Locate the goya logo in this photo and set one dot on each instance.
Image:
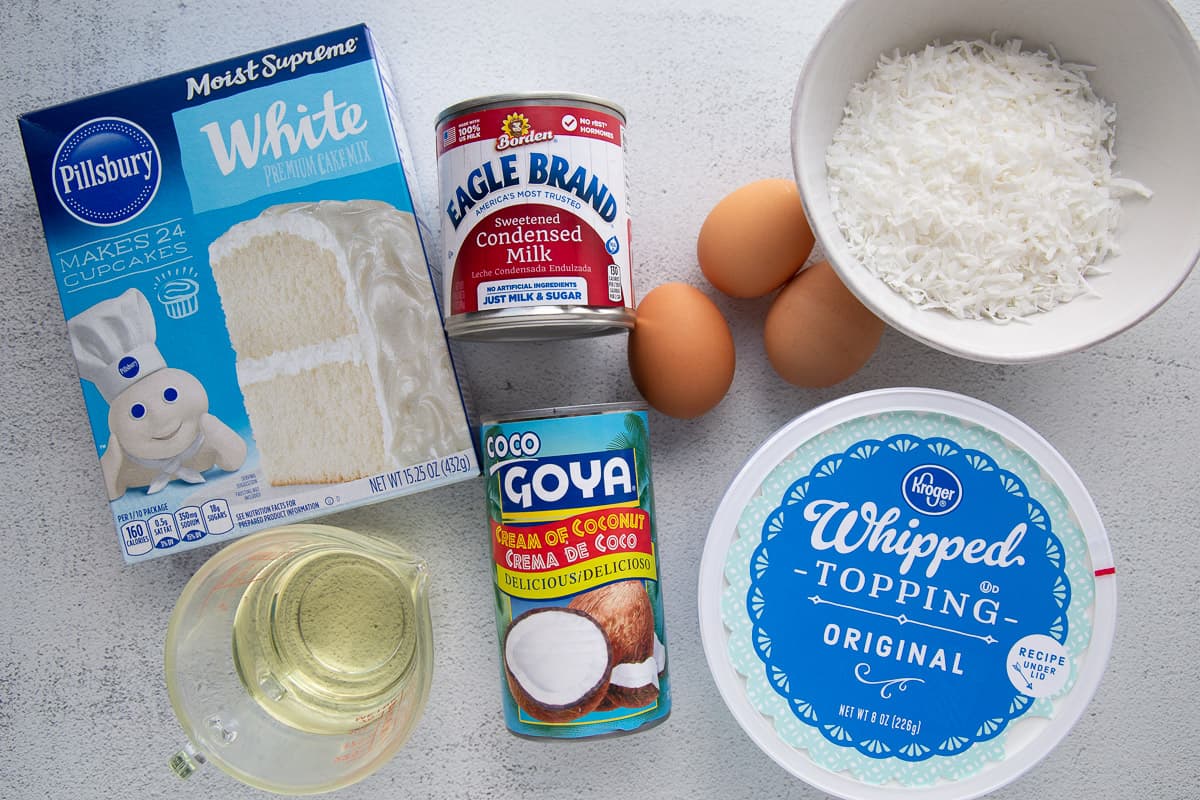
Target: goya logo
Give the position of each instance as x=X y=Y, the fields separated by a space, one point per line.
x=516 y=130
x=557 y=483
x=932 y=489
x=106 y=171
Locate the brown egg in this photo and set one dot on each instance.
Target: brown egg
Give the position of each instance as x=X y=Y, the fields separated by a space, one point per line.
x=817 y=332
x=755 y=239
x=681 y=352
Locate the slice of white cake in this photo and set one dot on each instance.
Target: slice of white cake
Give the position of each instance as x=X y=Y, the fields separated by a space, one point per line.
x=340 y=353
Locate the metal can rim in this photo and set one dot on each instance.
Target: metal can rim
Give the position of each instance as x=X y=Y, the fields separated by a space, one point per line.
x=484 y=102
x=565 y=412
x=567 y=322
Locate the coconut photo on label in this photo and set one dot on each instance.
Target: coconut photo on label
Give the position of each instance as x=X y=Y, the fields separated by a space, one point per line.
x=578 y=603
x=598 y=653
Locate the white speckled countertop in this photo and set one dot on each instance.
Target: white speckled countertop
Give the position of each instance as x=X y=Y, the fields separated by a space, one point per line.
x=708 y=87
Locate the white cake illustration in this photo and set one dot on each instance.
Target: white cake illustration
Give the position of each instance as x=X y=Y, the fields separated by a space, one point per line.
x=340 y=352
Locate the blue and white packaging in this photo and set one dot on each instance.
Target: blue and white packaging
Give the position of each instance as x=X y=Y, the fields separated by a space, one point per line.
x=247 y=293
x=907 y=593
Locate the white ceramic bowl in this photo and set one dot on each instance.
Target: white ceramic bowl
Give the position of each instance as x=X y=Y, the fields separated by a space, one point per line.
x=1147 y=63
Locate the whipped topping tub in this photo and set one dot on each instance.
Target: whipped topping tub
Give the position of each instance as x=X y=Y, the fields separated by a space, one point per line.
x=907 y=593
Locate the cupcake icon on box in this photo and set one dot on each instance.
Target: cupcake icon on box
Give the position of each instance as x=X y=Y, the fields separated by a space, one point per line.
x=177 y=292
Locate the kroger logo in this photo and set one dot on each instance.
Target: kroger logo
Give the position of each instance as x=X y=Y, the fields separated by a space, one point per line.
x=932 y=489
x=106 y=171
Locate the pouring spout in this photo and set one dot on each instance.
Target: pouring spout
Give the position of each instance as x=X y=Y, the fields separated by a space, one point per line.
x=186 y=761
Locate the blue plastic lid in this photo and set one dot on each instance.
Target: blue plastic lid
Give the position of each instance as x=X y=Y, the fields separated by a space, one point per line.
x=907 y=591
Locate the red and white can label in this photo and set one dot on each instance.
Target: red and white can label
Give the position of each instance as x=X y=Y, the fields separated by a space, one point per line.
x=534 y=208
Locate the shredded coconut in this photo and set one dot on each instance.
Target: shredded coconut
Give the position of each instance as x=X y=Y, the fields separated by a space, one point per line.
x=978 y=178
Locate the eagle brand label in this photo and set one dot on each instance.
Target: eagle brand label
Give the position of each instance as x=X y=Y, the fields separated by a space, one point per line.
x=579 y=613
x=533 y=207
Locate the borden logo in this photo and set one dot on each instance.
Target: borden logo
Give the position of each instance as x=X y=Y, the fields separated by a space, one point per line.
x=106 y=171
x=516 y=131
x=932 y=489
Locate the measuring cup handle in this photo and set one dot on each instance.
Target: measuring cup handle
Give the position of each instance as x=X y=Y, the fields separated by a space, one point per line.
x=186 y=761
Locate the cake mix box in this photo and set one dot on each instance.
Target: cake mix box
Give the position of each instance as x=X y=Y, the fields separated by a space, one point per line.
x=247 y=293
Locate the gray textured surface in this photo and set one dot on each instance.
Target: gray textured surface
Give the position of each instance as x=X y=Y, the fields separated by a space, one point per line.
x=83 y=710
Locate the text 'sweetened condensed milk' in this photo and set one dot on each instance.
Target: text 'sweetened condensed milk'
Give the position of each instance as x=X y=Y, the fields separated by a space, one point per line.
x=578 y=603
x=535 y=221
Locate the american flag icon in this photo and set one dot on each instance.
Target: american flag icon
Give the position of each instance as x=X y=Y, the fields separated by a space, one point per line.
x=448 y=136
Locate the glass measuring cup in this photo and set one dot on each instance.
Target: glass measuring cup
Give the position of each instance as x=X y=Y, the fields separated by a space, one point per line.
x=299 y=659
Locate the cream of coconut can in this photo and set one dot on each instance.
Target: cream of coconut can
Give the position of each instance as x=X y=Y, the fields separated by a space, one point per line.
x=579 y=613
x=535 y=218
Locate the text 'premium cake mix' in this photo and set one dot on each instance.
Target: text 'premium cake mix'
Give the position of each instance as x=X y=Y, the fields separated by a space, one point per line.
x=247 y=293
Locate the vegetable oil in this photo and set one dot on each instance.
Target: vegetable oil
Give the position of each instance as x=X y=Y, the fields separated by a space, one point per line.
x=324 y=642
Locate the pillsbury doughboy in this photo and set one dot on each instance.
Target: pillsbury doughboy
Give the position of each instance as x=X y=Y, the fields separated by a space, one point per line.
x=159 y=426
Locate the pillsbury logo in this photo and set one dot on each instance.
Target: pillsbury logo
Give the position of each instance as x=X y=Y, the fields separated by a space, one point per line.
x=106 y=171
x=128 y=367
x=932 y=489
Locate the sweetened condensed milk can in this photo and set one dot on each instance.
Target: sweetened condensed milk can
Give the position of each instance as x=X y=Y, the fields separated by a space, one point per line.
x=535 y=218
